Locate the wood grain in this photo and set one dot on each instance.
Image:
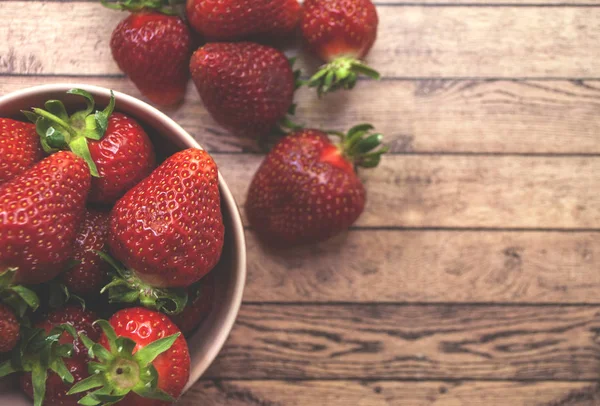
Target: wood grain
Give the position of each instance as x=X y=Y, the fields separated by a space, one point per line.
x=451 y=116
x=413 y=41
x=430 y=266
x=465 y=191
x=385 y=393
x=414 y=342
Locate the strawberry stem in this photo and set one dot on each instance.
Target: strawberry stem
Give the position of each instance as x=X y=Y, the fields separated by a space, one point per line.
x=167 y=7
x=341 y=73
x=362 y=147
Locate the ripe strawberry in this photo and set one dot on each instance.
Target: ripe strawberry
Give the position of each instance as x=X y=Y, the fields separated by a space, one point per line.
x=115 y=146
x=230 y=20
x=9 y=329
x=39 y=216
x=168 y=230
x=81 y=321
x=340 y=32
x=306 y=189
x=200 y=302
x=247 y=88
x=20 y=148
x=89 y=274
x=153 y=47
x=141 y=354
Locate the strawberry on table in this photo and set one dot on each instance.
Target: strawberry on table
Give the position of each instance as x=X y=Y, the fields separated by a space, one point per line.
x=168 y=231
x=40 y=211
x=9 y=329
x=20 y=148
x=228 y=20
x=153 y=47
x=89 y=274
x=306 y=190
x=114 y=145
x=142 y=359
x=246 y=87
x=341 y=33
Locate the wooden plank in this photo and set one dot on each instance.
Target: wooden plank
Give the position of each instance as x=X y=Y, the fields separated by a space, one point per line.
x=465 y=191
x=385 y=393
x=413 y=41
x=419 y=115
x=413 y=342
x=430 y=266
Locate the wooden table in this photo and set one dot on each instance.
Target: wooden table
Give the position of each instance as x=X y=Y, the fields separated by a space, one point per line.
x=473 y=277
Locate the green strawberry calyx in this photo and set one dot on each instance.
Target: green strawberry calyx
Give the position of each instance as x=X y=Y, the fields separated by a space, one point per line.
x=126 y=287
x=341 y=73
x=18 y=297
x=38 y=352
x=361 y=146
x=59 y=131
x=163 y=6
x=118 y=371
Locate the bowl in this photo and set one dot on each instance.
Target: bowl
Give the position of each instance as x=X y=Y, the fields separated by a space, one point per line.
x=230 y=273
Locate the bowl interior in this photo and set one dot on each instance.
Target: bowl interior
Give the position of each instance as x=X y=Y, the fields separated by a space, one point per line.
x=167 y=137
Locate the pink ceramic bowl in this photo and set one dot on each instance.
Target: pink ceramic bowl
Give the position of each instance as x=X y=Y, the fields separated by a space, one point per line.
x=168 y=136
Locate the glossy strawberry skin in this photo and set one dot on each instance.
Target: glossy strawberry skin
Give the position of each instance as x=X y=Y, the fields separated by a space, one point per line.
x=199 y=306
x=246 y=87
x=9 y=329
x=334 y=28
x=40 y=213
x=144 y=327
x=20 y=148
x=304 y=191
x=169 y=229
x=124 y=156
x=154 y=49
x=56 y=389
x=88 y=276
x=82 y=321
x=228 y=20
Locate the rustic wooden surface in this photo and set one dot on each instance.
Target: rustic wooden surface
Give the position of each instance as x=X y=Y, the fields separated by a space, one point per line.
x=473 y=276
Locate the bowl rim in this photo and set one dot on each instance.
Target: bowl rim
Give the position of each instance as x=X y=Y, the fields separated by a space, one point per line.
x=170 y=125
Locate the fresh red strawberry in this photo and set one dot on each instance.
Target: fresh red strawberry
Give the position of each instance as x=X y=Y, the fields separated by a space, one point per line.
x=56 y=389
x=168 y=230
x=79 y=321
x=200 y=302
x=228 y=20
x=153 y=49
x=306 y=189
x=88 y=276
x=159 y=367
x=114 y=145
x=341 y=33
x=246 y=87
x=40 y=213
x=20 y=148
x=9 y=329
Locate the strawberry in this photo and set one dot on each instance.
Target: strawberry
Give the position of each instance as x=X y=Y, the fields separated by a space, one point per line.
x=200 y=302
x=39 y=216
x=153 y=48
x=20 y=148
x=115 y=146
x=228 y=20
x=340 y=32
x=52 y=357
x=306 y=189
x=90 y=272
x=247 y=88
x=168 y=230
x=9 y=329
x=141 y=354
